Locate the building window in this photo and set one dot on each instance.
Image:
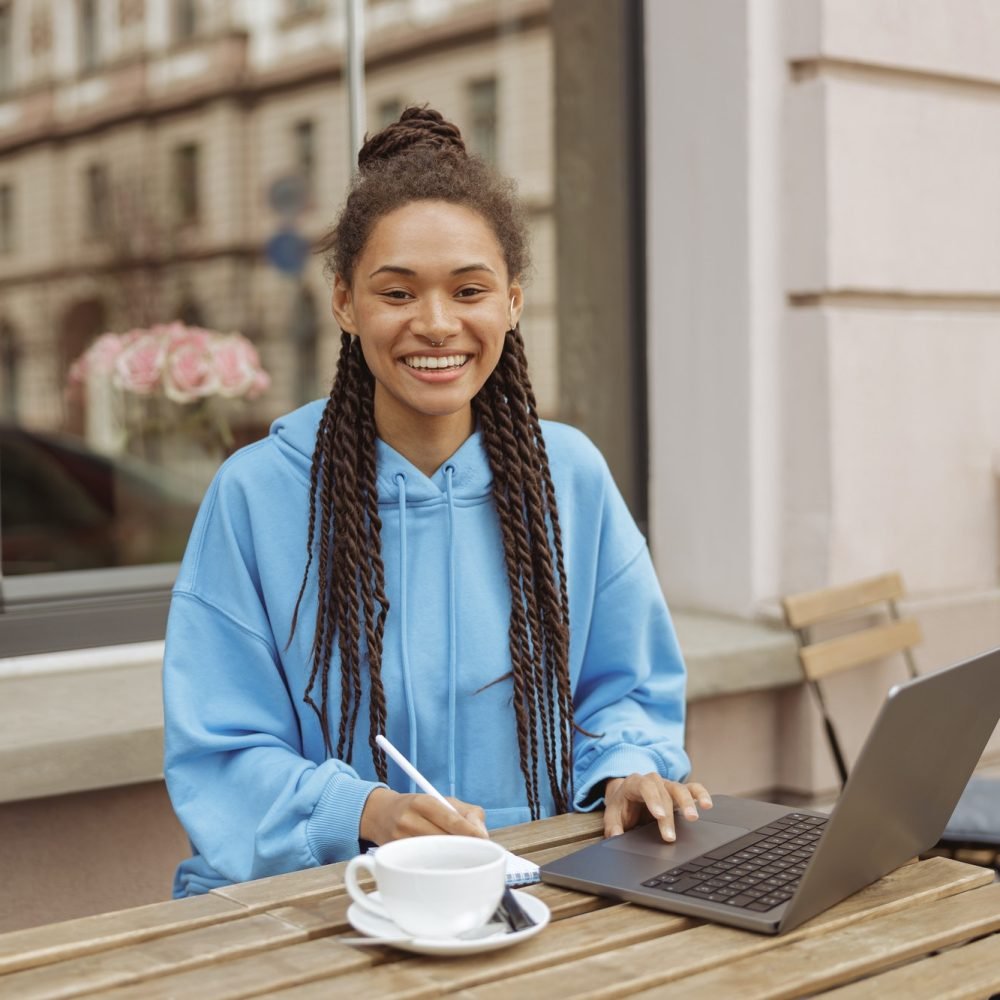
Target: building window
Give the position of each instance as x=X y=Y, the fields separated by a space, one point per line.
x=98 y=207
x=6 y=49
x=305 y=337
x=6 y=218
x=483 y=118
x=186 y=195
x=10 y=372
x=388 y=111
x=304 y=139
x=89 y=35
x=185 y=19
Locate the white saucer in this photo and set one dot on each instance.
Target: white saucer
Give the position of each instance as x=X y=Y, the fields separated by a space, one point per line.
x=380 y=928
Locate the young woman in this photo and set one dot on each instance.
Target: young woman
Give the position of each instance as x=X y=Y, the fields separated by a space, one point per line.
x=421 y=556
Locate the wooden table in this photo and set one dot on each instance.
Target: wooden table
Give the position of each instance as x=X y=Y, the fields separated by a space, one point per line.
x=930 y=929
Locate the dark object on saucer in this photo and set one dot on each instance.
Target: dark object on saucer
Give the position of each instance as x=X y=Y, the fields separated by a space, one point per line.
x=512 y=913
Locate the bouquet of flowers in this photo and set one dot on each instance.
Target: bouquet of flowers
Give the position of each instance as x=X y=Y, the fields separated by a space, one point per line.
x=190 y=368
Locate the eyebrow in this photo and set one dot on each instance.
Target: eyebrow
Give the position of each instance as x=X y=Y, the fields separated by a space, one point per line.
x=410 y=273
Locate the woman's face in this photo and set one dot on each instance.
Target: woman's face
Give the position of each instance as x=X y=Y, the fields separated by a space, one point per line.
x=432 y=273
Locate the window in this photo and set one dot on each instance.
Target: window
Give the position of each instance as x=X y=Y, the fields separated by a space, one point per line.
x=184 y=241
x=305 y=334
x=98 y=202
x=6 y=218
x=186 y=193
x=10 y=372
x=6 y=49
x=388 y=111
x=89 y=35
x=304 y=141
x=185 y=19
x=483 y=118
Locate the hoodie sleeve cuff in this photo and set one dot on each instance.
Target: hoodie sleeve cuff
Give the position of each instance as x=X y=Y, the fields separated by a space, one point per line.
x=619 y=762
x=332 y=830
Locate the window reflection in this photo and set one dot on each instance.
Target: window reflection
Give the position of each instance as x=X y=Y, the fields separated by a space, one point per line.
x=167 y=166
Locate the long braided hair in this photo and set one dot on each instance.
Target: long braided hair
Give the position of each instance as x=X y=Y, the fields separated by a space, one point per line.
x=422 y=157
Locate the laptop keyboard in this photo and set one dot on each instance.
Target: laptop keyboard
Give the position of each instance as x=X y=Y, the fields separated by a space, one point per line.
x=757 y=872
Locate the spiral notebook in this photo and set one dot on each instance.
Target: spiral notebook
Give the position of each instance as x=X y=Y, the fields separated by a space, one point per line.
x=520 y=871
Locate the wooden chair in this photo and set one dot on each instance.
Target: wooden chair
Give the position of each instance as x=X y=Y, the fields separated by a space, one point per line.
x=882 y=631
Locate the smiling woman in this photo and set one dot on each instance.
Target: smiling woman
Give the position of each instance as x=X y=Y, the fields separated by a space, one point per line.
x=473 y=580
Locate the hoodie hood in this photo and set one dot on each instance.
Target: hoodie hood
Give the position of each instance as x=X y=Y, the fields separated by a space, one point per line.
x=471 y=478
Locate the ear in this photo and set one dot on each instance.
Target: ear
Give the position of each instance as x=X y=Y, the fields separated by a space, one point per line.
x=515 y=297
x=343 y=305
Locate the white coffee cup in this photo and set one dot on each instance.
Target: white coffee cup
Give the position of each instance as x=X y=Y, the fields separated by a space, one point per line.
x=434 y=887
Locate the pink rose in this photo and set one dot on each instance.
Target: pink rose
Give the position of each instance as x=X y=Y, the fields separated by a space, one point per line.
x=140 y=363
x=261 y=383
x=237 y=365
x=98 y=359
x=189 y=372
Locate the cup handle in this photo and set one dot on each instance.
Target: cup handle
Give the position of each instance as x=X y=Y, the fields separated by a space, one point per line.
x=354 y=890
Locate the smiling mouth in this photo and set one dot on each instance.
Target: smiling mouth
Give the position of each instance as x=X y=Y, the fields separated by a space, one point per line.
x=424 y=362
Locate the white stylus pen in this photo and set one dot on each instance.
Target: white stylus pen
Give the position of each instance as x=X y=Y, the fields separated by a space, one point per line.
x=411 y=772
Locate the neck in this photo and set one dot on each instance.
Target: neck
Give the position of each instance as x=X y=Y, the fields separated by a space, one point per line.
x=427 y=442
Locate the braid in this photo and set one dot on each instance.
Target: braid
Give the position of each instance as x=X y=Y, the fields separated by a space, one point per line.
x=539 y=617
x=347 y=536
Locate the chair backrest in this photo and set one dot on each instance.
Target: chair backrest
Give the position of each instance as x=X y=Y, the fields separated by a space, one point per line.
x=871 y=640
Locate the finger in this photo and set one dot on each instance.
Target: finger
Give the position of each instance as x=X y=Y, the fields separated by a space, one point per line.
x=656 y=795
x=683 y=799
x=476 y=816
x=700 y=792
x=455 y=822
x=613 y=821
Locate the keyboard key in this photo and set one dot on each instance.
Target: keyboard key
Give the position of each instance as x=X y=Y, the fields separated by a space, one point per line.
x=680 y=887
x=734 y=846
x=741 y=900
x=761 y=907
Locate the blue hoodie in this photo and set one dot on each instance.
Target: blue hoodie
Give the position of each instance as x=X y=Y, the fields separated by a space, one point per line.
x=245 y=764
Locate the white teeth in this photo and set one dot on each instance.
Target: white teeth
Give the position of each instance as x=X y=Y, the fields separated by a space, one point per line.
x=449 y=361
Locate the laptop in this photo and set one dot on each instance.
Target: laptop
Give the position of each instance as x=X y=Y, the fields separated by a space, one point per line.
x=768 y=868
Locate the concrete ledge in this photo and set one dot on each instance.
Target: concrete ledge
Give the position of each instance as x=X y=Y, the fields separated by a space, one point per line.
x=728 y=656
x=80 y=730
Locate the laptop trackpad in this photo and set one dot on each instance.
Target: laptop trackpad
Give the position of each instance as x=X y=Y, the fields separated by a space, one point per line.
x=693 y=839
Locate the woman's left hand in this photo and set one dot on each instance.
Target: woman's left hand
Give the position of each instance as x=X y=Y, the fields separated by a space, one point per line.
x=629 y=800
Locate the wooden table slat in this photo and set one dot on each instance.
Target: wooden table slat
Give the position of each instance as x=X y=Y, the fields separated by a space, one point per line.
x=813 y=964
x=148 y=959
x=56 y=942
x=969 y=973
x=707 y=946
x=322 y=958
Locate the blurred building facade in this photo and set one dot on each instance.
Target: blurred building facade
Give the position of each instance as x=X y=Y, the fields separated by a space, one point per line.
x=140 y=139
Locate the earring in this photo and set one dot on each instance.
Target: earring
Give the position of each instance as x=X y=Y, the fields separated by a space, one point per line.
x=510 y=315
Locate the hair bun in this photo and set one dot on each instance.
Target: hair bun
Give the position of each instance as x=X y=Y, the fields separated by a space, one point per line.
x=417 y=128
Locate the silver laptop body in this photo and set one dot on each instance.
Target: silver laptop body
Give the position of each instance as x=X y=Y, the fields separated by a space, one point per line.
x=903 y=788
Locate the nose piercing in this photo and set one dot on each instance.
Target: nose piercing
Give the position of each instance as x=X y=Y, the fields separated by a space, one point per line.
x=436 y=343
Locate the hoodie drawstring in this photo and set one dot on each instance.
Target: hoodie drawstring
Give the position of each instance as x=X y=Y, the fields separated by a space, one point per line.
x=452 y=639
x=411 y=713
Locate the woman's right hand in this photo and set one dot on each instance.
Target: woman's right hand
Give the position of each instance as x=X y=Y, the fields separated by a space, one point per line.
x=390 y=815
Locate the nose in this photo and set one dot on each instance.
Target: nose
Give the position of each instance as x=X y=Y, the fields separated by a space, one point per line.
x=435 y=320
